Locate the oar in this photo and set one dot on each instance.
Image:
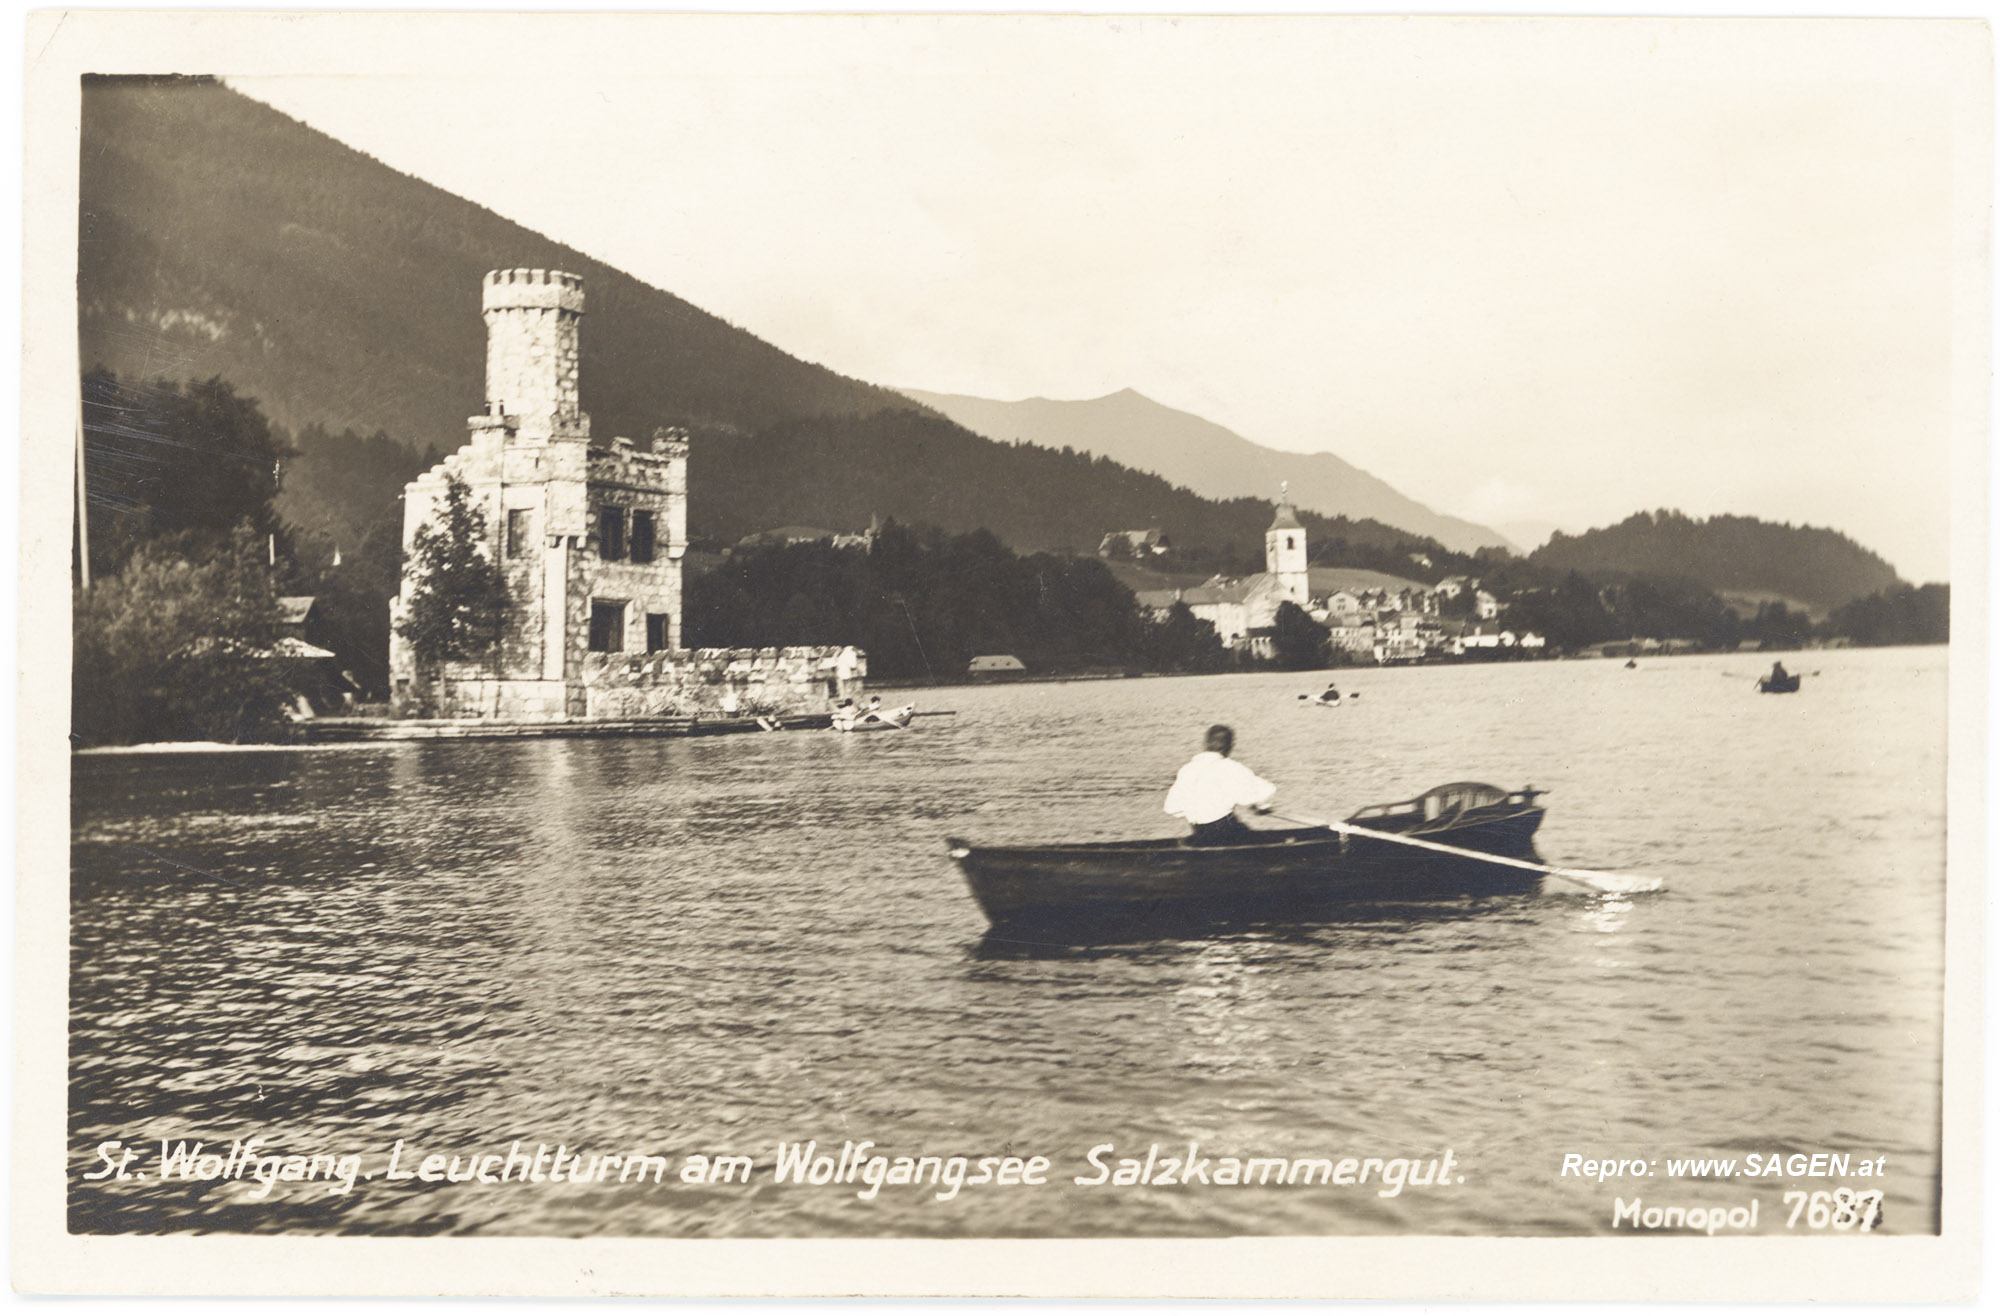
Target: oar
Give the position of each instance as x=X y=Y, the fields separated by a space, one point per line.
x=1610 y=883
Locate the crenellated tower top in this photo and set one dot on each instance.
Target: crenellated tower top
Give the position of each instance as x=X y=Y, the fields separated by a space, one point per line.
x=504 y=289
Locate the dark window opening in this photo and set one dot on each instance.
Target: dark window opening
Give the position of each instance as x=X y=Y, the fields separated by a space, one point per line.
x=1288 y=541
x=642 y=535
x=607 y=627
x=656 y=626
x=611 y=533
x=517 y=532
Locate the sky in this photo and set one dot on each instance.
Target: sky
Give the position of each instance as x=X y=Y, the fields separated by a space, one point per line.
x=1534 y=274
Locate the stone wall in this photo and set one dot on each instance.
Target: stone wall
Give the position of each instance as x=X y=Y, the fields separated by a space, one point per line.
x=681 y=683
x=707 y=682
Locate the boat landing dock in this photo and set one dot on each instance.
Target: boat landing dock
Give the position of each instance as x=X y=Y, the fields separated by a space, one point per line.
x=337 y=730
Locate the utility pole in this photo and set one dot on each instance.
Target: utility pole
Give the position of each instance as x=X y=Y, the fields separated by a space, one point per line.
x=82 y=507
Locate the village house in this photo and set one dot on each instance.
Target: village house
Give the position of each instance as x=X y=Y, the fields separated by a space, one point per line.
x=996 y=664
x=786 y=535
x=1357 y=638
x=1489 y=639
x=299 y=619
x=1134 y=543
x=591 y=539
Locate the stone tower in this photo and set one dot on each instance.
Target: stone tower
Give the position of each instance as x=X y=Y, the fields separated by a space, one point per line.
x=591 y=539
x=1285 y=551
x=532 y=319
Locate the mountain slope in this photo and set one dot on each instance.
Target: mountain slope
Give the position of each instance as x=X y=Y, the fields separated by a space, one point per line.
x=1728 y=554
x=1134 y=430
x=220 y=237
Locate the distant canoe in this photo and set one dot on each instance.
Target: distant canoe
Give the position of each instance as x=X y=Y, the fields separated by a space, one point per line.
x=1133 y=889
x=1787 y=686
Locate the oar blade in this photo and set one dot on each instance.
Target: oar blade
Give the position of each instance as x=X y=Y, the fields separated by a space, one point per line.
x=1614 y=884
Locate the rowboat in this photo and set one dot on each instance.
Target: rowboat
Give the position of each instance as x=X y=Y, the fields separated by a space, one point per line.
x=1131 y=889
x=1788 y=685
x=873 y=719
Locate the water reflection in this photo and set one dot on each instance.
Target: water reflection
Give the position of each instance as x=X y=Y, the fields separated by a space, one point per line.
x=717 y=944
x=1606 y=914
x=1322 y=926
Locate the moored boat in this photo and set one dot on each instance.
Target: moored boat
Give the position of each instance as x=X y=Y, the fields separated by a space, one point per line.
x=873 y=719
x=1132 y=889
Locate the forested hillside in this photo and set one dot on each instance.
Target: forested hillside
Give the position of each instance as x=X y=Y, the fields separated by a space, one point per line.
x=220 y=238
x=1820 y=567
x=927 y=470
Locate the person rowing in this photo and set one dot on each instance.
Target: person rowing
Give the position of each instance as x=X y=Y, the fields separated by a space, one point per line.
x=1211 y=787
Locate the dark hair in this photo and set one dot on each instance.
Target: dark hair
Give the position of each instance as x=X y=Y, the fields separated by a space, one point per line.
x=1220 y=739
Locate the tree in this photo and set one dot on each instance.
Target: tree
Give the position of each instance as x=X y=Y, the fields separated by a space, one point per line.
x=342 y=496
x=178 y=647
x=458 y=598
x=1297 y=641
x=922 y=603
x=1780 y=627
x=1182 y=642
x=162 y=459
x=1907 y=614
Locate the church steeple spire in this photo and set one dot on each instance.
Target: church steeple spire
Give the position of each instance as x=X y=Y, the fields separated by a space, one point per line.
x=1285 y=548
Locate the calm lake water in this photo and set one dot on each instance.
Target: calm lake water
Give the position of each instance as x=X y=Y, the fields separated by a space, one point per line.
x=715 y=947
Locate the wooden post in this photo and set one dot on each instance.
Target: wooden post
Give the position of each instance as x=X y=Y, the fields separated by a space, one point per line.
x=82 y=507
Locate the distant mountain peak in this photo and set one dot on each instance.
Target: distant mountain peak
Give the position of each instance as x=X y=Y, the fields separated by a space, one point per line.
x=1197 y=453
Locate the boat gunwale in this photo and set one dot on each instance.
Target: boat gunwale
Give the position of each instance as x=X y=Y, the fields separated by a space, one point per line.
x=1294 y=839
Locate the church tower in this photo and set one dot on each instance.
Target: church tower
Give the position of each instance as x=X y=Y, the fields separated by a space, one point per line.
x=1285 y=550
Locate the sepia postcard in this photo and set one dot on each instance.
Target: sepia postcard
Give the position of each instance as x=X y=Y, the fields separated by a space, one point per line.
x=1002 y=655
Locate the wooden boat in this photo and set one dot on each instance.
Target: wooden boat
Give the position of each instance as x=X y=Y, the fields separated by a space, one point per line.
x=1132 y=889
x=1328 y=698
x=873 y=719
x=1787 y=686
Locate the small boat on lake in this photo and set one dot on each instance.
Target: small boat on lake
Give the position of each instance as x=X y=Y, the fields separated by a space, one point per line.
x=850 y=718
x=1775 y=684
x=1133 y=889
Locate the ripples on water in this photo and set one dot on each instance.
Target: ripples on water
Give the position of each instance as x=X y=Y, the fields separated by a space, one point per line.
x=717 y=945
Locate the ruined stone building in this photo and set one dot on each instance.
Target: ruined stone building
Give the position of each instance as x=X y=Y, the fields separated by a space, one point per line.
x=591 y=539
